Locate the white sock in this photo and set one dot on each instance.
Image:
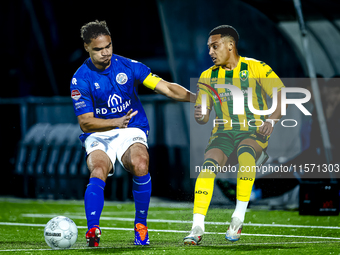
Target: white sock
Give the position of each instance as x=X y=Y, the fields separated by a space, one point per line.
x=240 y=209
x=198 y=220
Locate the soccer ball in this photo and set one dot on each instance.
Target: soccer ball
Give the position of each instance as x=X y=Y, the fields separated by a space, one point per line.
x=60 y=233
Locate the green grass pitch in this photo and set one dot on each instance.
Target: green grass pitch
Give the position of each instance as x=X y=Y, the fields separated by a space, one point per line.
x=265 y=232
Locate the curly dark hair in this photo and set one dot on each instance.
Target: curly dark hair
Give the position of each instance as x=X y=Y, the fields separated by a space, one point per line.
x=94 y=29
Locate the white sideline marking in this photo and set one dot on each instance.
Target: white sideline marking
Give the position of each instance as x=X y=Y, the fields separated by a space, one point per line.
x=125 y=213
x=173 y=231
x=31 y=215
x=225 y=245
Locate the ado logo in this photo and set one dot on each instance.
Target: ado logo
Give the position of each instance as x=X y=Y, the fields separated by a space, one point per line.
x=201 y=192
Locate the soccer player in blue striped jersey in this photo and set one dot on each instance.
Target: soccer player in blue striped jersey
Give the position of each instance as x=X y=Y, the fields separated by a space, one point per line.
x=104 y=93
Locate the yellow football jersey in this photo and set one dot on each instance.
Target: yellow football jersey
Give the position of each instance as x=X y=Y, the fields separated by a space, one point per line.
x=248 y=73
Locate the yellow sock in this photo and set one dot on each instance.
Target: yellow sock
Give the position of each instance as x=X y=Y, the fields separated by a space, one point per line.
x=246 y=172
x=204 y=187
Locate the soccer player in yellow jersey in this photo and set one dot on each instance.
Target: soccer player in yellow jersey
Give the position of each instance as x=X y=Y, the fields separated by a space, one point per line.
x=247 y=133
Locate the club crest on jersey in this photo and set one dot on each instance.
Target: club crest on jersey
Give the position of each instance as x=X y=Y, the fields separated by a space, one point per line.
x=213 y=80
x=121 y=78
x=244 y=75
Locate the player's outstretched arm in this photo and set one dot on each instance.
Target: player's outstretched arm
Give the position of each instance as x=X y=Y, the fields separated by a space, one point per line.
x=174 y=91
x=88 y=123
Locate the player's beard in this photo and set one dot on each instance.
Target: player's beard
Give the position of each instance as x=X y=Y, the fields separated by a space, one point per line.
x=106 y=63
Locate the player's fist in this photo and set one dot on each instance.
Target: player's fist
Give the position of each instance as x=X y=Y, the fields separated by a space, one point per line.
x=198 y=112
x=199 y=117
x=266 y=129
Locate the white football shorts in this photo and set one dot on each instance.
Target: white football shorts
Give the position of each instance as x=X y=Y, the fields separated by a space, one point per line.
x=115 y=142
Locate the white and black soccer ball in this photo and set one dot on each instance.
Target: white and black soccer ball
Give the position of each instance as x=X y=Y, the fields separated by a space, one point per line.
x=60 y=233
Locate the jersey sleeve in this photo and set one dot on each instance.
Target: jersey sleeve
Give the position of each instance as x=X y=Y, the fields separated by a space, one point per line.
x=202 y=89
x=81 y=96
x=268 y=79
x=140 y=71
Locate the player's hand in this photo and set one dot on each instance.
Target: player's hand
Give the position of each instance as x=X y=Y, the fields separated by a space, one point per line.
x=124 y=121
x=198 y=112
x=266 y=129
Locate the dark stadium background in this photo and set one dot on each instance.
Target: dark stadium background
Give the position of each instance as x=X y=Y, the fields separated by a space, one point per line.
x=137 y=33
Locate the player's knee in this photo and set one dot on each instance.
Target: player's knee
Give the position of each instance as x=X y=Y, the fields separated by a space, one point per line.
x=99 y=164
x=100 y=172
x=245 y=148
x=140 y=165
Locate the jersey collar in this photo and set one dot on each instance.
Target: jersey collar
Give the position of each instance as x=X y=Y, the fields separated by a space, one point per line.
x=106 y=71
x=238 y=64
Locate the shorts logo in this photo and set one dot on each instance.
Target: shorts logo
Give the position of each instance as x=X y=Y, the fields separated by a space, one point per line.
x=75 y=94
x=94 y=144
x=97 y=85
x=244 y=75
x=138 y=139
x=121 y=78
